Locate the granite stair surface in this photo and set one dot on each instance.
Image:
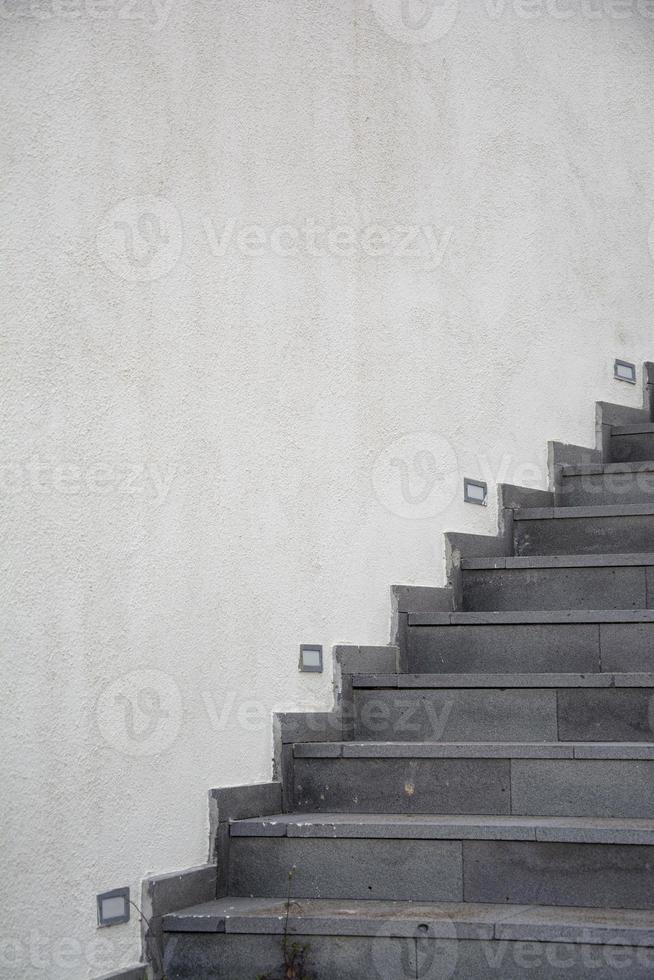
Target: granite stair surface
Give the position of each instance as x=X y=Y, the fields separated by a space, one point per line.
x=480 y=804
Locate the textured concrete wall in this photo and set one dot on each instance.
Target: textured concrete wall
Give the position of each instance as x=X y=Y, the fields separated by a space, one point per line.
x=275 y=276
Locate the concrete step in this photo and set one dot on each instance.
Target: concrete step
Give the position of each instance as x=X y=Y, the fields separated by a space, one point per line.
x=632 y=443
x=558 y=582
x=541 y=641
x=500 y=707
x=238 y=938
x=440 y=858
x=430 y=826
x=598 y=484
x=627 y=528
x=556 y=779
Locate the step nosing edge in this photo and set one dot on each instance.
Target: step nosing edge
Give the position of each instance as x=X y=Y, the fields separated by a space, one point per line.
x=473 y=921
x=582 y=512
x=532 y=617
x=517 y=563
x=531 y=751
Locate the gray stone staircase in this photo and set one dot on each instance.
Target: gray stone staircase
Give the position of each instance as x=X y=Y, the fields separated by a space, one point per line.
x=480 y=804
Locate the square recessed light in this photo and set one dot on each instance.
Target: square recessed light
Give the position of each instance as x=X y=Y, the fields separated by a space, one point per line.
x=624 y=371
x=475 y=492
x=113 y=907
x=311 y=658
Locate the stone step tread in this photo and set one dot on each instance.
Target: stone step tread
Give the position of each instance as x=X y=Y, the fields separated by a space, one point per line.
x=635 y=428
x=528 y=617
x=325 y=917
x=557 y=561
x=627 y=751
x=501 y=681
x=578 y=830
x=586 y=511
x=606 y=469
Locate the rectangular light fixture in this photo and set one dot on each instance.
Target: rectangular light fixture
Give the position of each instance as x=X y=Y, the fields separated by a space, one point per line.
x=311 y=658
x=113 y=907
x=475 y=492
x=624 y=371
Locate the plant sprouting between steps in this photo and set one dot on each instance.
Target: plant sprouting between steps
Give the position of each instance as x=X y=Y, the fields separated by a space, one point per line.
x=294 y=953
x=154 y=949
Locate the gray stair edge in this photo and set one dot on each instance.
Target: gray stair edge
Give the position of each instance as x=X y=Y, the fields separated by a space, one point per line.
x=571 y=751
x=634 y=429
x=584 y=512
x=335 y=826
x=533 y=617
x=446 y=920
x=571 y=471
x=480 y=681
x=532 y=562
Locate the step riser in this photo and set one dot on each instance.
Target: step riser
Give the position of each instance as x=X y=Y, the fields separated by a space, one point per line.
x=519 y=715
x=585 y=535
x=616 y=587
x=531 y=648
x=599 y=489
x=392 y=870
x=519 y=872
x=585 y=875
x=635 y=448
x=237 y=957
x=520 y=787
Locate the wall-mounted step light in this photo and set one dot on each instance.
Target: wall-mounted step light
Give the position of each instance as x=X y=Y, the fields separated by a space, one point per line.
x=475 y=492
x=113 y=907
x=311 y=658
x=624 y=371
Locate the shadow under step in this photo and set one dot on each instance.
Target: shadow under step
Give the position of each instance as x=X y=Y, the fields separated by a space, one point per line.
x=632 y=443
x=557 y=582
x=542 y=641
x=232 y=938
x=614 y=529
x=557 y=779
x=504 y=707
x=597 y=484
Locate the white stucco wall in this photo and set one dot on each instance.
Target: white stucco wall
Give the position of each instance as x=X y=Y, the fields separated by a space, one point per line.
x=201 y=432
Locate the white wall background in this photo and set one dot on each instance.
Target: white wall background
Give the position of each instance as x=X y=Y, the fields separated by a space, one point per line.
x=199 y=445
